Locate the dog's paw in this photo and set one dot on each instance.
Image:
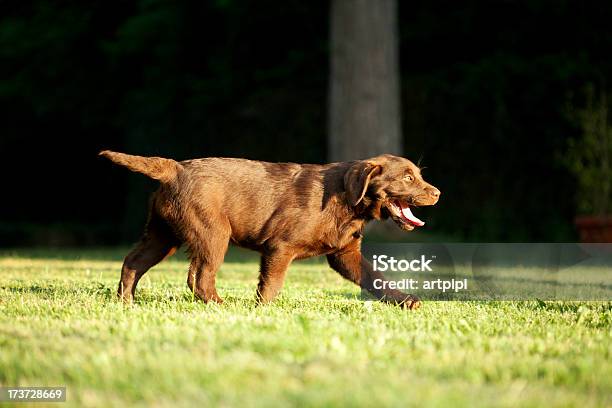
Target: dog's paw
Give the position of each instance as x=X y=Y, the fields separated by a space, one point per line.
x=125 y=298
x=412 y=302
x=212 y=298
x=216 y=299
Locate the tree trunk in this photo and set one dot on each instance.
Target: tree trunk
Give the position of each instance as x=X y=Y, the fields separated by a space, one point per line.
x=364 y=98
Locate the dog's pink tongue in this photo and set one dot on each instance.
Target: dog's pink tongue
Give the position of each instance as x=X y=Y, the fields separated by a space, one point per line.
x=410 y=216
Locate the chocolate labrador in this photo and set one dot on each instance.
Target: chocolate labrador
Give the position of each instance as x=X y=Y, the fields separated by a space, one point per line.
x=286 y=211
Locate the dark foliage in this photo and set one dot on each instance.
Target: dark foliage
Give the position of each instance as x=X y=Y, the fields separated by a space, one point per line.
x=484 y=88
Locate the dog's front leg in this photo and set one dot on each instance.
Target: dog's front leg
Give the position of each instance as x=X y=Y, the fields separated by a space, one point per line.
x=272 y=272
x=351 y=264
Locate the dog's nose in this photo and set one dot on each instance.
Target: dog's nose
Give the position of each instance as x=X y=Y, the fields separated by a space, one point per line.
x=434 y=192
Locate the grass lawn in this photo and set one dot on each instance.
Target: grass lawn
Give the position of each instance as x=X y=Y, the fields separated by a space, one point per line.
x=319 y=344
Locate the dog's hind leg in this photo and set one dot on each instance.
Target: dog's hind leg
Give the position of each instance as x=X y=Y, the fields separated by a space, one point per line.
x=157 y=243
x=207 y=249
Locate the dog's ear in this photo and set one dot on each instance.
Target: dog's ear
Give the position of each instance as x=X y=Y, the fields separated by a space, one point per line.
x=357 y=179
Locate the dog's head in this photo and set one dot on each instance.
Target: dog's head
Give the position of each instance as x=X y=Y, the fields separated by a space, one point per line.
x=389 y=186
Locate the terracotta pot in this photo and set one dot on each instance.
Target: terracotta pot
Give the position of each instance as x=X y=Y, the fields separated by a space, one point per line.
x=594 y=228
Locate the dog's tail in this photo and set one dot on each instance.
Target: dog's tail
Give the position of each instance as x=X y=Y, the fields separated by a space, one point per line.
x=158 y=168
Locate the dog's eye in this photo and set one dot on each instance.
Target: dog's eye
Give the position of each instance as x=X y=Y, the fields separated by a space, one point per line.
x=408 y=178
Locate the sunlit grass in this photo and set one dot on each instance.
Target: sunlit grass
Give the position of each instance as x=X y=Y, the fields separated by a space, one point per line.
x=318 y=344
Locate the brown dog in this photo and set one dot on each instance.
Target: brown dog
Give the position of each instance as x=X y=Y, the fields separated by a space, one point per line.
x=285 y=211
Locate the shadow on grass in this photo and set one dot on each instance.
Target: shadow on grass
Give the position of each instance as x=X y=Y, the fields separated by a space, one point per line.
x=50 y=291
x=106 y=293
x=569 y=307
x=234 y=254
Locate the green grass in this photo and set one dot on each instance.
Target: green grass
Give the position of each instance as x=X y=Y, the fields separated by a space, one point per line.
x=317 y=345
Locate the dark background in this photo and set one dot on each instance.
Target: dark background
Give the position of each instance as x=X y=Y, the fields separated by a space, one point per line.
x=485 y=85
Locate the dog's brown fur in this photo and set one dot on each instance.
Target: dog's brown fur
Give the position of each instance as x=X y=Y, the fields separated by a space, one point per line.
x=285 y=211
